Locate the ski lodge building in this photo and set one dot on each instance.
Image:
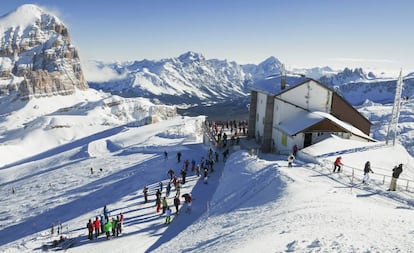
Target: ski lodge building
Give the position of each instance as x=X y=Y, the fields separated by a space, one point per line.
x=289 y=110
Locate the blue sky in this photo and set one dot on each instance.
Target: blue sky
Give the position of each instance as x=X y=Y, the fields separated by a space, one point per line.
x=373 y=34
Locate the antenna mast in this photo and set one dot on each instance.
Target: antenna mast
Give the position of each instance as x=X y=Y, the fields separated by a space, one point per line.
x=283 y=77
x=393 y=124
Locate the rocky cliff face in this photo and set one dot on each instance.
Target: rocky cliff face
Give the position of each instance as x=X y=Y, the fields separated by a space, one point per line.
x=37 y=57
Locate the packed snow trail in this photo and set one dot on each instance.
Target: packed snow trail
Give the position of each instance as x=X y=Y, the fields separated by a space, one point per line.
x=202 y=194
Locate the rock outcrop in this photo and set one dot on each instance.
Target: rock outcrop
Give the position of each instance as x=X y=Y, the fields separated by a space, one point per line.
x=37 y=57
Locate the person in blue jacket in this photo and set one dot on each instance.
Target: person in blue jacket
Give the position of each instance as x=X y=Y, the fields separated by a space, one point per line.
x=106 y=212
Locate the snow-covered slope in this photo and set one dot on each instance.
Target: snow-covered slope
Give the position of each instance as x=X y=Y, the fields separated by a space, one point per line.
x=59 y=120
x=249 y=204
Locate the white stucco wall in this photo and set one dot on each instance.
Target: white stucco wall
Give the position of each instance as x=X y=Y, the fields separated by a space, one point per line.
x=261 y=111
x=311 y=96
x=284 y=111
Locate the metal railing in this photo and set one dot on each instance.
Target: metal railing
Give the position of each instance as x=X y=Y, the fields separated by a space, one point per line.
x=356 y=174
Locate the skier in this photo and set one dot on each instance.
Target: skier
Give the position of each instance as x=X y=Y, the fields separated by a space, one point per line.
x=178 y=188
x=338 y=164
x=395 y=174
x=121 y=219
x=186 y=164
x=175 y=182
x=164 y=205
x=158 y=200
x=183 y=175
x=188 y=202
x=168 y=189
x=168 y=216
x=176 y=203
x=97 y=226
x=295 y=149
x=205 y=175
x=160 y=184
x=118 y=225
x=106 y=212
x=193 y=163
x=90 y=228
x=198 y=170
x=102 y=224
x=171 y=173
x=165 y=155
x=107 y=229
x=367 y=170
x=114 y=226
x=291 y=158
x=178 y=157
x=145 y=191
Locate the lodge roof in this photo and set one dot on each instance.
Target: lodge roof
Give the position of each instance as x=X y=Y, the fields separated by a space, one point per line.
x=308 y=119
x=271 y=84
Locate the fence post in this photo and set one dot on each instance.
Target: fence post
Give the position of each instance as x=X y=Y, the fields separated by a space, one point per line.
x=352 y=177
x=383 y=180
x=406 y=188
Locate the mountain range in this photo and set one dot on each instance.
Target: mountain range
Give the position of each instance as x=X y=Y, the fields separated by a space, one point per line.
x=192 y=79
x=37 y=59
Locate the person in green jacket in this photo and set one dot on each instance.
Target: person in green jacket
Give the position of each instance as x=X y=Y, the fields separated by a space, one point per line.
x=107 y=229
x=114 y=223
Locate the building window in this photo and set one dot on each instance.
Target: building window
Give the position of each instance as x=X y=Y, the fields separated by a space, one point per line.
x=284 y=140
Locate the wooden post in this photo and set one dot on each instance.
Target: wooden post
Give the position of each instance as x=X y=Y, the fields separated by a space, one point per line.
x=352 y=177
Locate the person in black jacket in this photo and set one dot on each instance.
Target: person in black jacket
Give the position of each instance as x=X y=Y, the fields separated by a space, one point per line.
x=367 y=170
x=395 y=174
x=176 y=203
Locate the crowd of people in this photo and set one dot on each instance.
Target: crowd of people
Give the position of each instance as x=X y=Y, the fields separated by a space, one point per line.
x=175 y=181
x=104 y=225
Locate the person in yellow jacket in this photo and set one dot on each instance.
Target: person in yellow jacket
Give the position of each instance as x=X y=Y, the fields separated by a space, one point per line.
x=164 y=205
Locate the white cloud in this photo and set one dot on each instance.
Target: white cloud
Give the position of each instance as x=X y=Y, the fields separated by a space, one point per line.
x=95 y=74
x=362 y=60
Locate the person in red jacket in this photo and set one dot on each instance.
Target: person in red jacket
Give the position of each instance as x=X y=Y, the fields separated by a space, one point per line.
x=97 y=226
x=121 y=219
x=338 y=164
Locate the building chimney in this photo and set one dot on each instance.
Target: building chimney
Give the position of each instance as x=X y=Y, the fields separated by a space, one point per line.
x=283 y=82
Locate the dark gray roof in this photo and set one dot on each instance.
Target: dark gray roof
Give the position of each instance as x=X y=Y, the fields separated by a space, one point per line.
x=271 y=84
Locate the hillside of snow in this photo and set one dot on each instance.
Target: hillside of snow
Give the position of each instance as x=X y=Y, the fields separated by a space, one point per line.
x=251 y=203
x=60 y=120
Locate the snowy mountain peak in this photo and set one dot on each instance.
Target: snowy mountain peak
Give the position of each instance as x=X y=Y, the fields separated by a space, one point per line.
x=271 y=61
x=347 y=76
x=190 y=56
x=37 y=57
x=27 y=15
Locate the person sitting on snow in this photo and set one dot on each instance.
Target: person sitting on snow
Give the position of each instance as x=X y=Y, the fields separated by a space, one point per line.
x=291 y=158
